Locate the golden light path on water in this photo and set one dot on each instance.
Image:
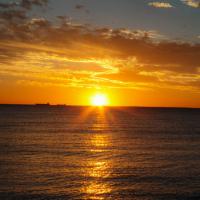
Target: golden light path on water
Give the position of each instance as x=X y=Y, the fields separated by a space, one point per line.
x=99 y=166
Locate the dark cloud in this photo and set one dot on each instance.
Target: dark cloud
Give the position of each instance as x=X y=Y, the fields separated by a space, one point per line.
x=79 y=7
x=15 y=20
x=8 y=5
x=16 y=12
x=10 y=15
x=27 y=4
x=82 y=7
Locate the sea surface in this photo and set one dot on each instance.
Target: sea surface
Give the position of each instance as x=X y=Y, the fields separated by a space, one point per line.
x=61 y=153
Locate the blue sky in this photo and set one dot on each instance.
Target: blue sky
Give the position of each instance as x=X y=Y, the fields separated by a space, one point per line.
x=180 y=22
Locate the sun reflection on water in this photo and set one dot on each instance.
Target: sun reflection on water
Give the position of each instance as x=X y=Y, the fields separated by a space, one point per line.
x=98 y=186
x=99 y=143
x=99 y=167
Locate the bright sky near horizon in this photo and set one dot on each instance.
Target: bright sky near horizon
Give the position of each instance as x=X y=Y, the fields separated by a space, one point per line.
x=137 y=52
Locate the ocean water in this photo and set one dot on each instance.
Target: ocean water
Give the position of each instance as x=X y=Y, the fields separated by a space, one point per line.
x=61 y=153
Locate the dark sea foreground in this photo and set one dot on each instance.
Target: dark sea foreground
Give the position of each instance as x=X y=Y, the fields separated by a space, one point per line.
x=62 y=153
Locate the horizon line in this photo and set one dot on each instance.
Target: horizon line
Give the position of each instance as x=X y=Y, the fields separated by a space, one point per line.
x=112 y=106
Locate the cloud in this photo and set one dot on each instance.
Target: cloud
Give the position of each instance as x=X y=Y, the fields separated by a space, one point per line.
x=82 y=7
x=160 y=5
x=15 y=13
x=36 y=50
x=8 y=5
x=27 y=4
x=130 y=34
x=192 y=3
x=79 y=7
x=11 y=15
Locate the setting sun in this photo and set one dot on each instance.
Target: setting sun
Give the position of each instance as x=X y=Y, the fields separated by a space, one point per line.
x=99 y=100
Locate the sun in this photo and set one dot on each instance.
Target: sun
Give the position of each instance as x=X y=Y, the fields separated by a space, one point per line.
x=99 y=100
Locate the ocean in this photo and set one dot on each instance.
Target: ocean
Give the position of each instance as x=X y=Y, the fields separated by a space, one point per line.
x=61 y=153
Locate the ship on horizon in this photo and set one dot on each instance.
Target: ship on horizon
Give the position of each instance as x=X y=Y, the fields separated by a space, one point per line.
x=43 y=104
x=48 y=105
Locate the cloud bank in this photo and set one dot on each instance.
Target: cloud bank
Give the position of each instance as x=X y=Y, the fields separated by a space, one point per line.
x=37 y=51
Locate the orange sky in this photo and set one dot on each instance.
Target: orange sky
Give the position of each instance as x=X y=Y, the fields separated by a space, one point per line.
x=67 y=63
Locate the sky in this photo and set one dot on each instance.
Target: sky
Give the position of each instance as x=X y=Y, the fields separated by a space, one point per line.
x=137 y=52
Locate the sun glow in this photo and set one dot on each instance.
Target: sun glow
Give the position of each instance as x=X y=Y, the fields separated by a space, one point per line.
x=99 y=100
